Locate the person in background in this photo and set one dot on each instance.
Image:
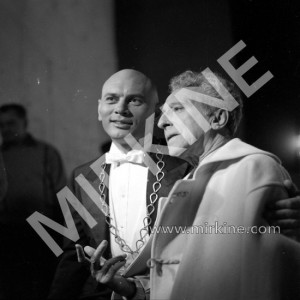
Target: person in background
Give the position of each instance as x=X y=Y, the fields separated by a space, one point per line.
x=35 y=173
x=3 y=188
x=3 y=180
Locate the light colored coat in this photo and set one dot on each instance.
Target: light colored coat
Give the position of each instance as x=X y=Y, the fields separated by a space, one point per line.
x=231 y=186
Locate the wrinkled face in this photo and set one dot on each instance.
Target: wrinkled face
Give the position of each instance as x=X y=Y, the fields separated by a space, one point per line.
x=180 y=128
x=12 y=127
x=127 y=100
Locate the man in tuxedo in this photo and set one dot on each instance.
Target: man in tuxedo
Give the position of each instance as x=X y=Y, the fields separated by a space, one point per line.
x=127 y=187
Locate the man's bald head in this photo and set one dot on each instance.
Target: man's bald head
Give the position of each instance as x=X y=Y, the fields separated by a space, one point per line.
x=133 y=76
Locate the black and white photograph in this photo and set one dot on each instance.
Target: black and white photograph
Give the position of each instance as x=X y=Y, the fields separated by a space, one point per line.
x=149 y=149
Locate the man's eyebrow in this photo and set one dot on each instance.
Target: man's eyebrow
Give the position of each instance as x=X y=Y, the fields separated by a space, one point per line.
x=136 y=95
x=111 y=94
x=128 y=96
x=167 y=106
x=172 y=104
x=164 y=108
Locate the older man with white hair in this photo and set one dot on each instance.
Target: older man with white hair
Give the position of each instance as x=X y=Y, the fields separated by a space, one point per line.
x=230 y=251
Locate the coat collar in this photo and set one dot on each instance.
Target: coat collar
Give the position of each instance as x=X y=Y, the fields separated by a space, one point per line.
x=234 y=149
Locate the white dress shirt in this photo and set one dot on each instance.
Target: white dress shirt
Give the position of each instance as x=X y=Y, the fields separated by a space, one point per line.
x=127 y=202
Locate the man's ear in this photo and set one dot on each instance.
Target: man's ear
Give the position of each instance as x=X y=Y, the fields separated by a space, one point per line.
x=99 y=108
x=219 y=119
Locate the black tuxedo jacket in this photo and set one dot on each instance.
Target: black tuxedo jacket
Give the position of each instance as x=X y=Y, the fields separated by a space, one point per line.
x=72 y=280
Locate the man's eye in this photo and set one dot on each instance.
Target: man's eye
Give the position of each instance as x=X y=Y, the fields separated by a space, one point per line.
x=136 y=101
x=110 y=99
x=177 y=108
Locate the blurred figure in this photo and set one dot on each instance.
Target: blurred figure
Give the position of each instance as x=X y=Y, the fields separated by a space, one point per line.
x=35 y=174
x=3 y=188
x=3 y=180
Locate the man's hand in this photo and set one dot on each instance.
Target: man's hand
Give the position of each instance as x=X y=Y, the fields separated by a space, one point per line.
x=286 y=213
x=106 y=271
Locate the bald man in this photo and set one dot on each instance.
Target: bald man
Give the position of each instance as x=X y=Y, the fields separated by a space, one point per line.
x=130 y=194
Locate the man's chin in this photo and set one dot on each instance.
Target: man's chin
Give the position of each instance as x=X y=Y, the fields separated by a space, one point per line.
x=118 y=137
x=122 y=136
x=176 y=151
x=117 y=133
x=125 y=143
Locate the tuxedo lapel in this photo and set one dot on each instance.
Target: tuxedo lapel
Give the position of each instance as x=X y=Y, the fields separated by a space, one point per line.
x=99 y=232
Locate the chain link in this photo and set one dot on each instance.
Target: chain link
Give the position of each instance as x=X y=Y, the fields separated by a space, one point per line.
x=149 y=209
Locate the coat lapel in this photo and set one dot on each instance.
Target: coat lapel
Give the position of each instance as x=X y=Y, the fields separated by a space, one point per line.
x=101 y=231
x=182 y=206
x=174 y=170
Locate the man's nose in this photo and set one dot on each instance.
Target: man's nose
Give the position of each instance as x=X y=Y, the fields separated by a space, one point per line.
x=121 y=107
x=163 y=121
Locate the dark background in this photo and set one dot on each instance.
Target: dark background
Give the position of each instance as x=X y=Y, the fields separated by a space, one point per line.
x=165 y=38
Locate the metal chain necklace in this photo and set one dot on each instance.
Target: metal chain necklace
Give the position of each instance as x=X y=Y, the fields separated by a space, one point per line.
x=149 y=209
